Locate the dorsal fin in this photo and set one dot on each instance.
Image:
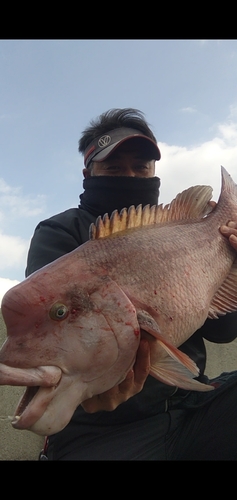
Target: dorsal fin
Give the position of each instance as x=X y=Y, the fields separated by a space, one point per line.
x=225 y=299
x=190 y=204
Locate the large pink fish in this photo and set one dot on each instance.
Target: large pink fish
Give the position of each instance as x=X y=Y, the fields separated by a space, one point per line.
x=74 y=326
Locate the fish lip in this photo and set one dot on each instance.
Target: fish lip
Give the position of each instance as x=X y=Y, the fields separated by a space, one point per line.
x=45 y=376
x=33 y=404
x=26 y=416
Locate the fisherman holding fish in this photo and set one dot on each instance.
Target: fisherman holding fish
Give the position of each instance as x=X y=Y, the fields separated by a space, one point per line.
x=145 y=416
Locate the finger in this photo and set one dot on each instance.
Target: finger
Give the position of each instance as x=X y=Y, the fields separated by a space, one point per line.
x=233 y=241
x=131 y=385
x=212 y=204
x=90 y=405
x=107 y=401
x=232 y=223
x=126 y=386
x=142 y=365
x=229 y=228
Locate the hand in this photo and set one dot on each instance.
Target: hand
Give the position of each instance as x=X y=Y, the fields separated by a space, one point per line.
x=131 y=385
x=230 y=231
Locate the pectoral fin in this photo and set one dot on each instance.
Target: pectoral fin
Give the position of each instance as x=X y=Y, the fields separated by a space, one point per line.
x=148 y=324
x=175 y=369
x=171 y=372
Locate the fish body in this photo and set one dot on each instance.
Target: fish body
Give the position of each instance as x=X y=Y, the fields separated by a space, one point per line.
x=75 y=325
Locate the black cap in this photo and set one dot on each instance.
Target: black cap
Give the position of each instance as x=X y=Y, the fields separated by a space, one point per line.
x=102 y=147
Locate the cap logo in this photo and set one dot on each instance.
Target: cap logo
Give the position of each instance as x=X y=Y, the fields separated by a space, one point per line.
x=104 y=141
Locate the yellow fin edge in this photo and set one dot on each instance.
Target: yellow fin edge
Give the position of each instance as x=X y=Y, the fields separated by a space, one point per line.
x=190 y=204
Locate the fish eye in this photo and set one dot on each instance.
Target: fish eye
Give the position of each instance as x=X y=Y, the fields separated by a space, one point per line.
x=58 y=312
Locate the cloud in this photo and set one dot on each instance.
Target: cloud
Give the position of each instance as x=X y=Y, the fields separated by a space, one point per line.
x=5 y=285
x=205 y=42
x=15 y=203
x=188 y=109
x=13 y=251
x=182 y=167
x=15 y=209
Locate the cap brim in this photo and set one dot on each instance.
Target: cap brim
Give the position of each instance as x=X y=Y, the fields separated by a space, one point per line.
x=101 y=148
x=150 y=147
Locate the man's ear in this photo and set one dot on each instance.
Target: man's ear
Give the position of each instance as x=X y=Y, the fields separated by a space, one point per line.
x=86 y=172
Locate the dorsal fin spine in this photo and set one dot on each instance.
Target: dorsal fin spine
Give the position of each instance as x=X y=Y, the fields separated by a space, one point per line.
x=191 y=203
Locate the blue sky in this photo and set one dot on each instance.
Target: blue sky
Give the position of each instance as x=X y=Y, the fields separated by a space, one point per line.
x=51 y=89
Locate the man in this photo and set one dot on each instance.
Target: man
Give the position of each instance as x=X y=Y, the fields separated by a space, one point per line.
x=141 y=418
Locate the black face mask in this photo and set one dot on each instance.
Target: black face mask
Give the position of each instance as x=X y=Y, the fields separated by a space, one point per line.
x=103 y=194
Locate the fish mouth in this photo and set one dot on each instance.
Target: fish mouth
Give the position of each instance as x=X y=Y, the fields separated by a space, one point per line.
x=25 y=400
x=40 y=382
x=32 y=406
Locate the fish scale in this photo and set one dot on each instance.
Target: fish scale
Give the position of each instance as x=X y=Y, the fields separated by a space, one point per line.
x=198 y=281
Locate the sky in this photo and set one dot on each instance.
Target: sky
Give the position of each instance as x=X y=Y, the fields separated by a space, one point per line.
x=51 y=89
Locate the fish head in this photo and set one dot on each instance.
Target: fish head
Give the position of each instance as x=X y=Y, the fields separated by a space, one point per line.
x=66 y=342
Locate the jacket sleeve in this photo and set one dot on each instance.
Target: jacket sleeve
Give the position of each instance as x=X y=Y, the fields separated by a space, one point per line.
x=221 y=330
x=52 y=238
